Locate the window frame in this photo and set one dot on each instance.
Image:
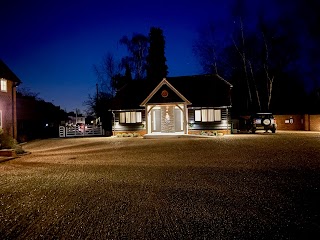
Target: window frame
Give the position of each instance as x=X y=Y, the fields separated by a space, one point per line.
x=207 y=115
x=130 y=117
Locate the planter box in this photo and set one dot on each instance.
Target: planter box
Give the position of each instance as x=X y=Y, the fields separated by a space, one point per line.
x=8 y=153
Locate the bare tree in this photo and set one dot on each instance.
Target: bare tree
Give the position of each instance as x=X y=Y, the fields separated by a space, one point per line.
x=106 y=73
x=254 y=84
x=205 y=49
x=137 y=47
x=242 y=54
x=270 y=78
x=26 y=92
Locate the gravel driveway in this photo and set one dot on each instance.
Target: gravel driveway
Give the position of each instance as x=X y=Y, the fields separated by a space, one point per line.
x=263 y=186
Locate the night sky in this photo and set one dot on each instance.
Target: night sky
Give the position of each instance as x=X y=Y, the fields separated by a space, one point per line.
x=52 y=45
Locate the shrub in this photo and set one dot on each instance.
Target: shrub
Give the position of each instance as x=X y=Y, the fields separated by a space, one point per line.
x=213 y=133
x=18 y=149
x=129 y=135
x=8 y=142
x=136 y=134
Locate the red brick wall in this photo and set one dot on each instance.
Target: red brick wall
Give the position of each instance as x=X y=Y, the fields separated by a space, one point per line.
x=290 y=122
x=140 y=132
x=299 y=122
x=314 y=122
x=198 y=132
x=6 y=108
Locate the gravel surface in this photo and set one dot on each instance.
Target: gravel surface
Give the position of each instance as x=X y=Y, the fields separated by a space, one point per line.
x=262 y=186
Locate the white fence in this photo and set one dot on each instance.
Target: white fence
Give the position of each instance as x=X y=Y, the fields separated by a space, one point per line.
x=80 y=131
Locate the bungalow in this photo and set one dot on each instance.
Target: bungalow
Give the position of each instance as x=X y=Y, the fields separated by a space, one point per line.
x=197 y=104
x=8 y=116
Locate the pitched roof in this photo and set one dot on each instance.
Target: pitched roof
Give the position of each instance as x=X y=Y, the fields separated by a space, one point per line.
x=203 y=90
x=164 y=85
x=199 y=90
x=5 y=72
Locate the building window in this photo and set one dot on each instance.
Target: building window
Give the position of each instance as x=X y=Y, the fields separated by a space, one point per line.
x=211 y=115
x=139 y=117
x=122 y=117
x=128 y=120
x=217 y=115
x=197 y=115
x=3 y=85
x=130 y=117
x=204 y=115
x=207 y=115
x=0 y=119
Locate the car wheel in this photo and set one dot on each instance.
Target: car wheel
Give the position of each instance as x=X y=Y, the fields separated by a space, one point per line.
x=273 y=130
x=253 y=131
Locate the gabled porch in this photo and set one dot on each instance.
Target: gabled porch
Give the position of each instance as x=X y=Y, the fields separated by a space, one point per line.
x=166 y=119
x=166 y=110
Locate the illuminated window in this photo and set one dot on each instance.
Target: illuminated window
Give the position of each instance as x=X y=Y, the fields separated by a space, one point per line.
x=207 y=115
x=210 y=115
x=133 y=117
x=0 y=119
x=130 y=117
x=122 y=117
x=3 y=85
x=204 y=113
x=217 y=115
x=139 y=117
x=197 y=115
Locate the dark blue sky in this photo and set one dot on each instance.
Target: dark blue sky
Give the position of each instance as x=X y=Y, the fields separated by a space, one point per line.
x=52 y=45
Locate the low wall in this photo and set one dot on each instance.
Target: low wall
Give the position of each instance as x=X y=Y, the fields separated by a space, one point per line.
x=290 y=122
x=139 y=133
x=296 y=122
x=208 y=132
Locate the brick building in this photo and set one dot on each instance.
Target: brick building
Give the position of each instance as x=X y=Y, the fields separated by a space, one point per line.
x=8 y=115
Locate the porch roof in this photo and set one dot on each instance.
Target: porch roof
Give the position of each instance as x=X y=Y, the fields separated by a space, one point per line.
x=164 y=85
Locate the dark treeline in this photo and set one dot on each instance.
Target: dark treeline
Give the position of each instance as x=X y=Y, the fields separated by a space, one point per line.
x=268 y=56
x=267 y=51
x=37 y=118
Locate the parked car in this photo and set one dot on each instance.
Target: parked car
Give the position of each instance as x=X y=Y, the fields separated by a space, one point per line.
x=262 y=121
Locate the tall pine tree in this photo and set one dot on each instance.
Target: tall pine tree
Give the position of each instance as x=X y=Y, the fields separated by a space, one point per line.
x=156 y=60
